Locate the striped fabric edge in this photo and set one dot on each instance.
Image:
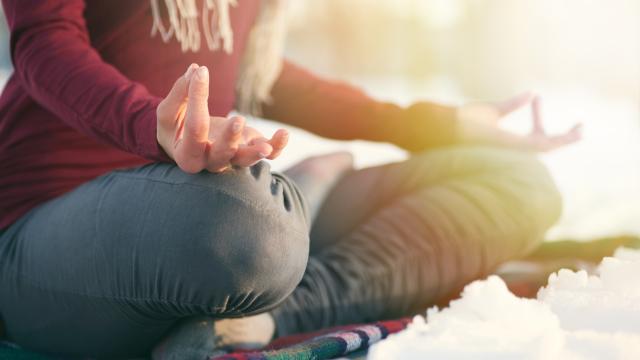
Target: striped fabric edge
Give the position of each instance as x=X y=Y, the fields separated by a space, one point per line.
x=327 y=346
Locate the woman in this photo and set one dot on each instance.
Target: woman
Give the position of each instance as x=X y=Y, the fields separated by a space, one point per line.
x=126 y=207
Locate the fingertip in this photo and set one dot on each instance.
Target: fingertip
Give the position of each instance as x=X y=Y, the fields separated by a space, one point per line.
x=190 y=70
x=249 y=155
x=264 y=149
x=536 y=110
x=283 y=133
x=280 y=138
x=577 y=135
x=537 y=100
x=199 y=92
x=575 y=132
x=202 y=74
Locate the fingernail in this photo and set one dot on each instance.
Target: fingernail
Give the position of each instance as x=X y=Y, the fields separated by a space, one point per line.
x=264 y=155
x=190 y=70
x=203 y=73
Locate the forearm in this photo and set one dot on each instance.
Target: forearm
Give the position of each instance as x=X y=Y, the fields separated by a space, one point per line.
x=59 y=68
x=340 y=111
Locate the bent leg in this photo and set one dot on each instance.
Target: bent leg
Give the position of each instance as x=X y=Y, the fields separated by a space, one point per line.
x=392 y=240
x=107 y=269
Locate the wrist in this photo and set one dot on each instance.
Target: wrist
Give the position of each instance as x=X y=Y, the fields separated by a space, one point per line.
x=146 y=141
x=163 y=145
x=427 y=125
x=163 y=140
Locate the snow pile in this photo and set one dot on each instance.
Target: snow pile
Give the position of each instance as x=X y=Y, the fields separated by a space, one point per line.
x=609 y=302
x=576 y=316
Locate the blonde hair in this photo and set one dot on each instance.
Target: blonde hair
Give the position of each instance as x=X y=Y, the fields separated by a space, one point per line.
x=262 y=60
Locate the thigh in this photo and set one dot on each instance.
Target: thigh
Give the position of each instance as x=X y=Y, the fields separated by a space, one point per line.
x=60 y=287
x=362 y=193
x=406 y=235
x=107 y=268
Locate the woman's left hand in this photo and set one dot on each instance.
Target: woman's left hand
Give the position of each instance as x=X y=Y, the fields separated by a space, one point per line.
x=478 y=123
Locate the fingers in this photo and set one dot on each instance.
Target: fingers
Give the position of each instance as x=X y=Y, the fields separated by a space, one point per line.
x=250 y=154
x=233 y=134
x=226 y=146
x=278 y=142
x=510 y=105
x=173 y=104
x=549 y=143
x=260 y=148
x=196 y=125
x=576 y=131
x=570 y=137
x=536 y=110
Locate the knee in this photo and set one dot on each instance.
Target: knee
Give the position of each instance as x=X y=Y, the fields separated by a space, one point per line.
x=266 y=253
x=526 y=192
x=512 y=190
x=256 y=257
x=242 y=240
x=529 y=182
x=516 y=177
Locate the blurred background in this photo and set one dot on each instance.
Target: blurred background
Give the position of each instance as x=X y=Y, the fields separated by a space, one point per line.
x=582 y=56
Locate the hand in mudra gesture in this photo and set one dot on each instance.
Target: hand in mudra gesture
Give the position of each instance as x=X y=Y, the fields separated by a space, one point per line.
x=197 y=141
x=479 y=121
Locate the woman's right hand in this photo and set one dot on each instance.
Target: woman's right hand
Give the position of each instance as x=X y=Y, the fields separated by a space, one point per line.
x=197 y=141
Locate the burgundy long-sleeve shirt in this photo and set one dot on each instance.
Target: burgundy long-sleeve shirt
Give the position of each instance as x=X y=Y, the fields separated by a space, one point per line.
x=88 y=77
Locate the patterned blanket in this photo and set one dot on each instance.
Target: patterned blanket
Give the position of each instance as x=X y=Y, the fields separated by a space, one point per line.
x=328 y=346
x=336 y=343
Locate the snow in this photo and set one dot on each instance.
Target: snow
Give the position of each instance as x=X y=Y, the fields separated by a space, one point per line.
x=611 y=300
x=576 y=316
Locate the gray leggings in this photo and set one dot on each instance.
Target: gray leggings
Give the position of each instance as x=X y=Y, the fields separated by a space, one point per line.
x=110 y=267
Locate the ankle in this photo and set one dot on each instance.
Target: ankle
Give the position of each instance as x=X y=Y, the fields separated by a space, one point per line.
x=247 y=333
x=205 y=337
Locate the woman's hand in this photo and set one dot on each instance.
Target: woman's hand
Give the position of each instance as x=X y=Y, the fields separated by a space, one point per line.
x=479 y=123
x=197 y=141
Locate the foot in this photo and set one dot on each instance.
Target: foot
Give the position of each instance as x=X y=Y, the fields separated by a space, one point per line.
x=249 y=333
x=316 y=175
x=203 y=337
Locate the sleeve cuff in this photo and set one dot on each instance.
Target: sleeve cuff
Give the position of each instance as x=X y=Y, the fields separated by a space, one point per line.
x=426 y=125
x=148 y=146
